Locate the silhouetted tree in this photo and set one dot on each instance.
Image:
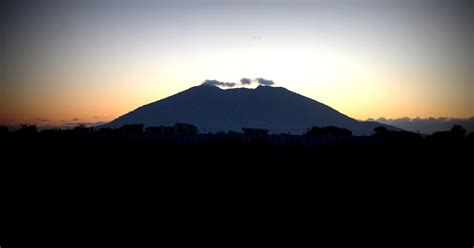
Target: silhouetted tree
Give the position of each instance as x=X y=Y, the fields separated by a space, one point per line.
x=185 y=128
x=470 y=138
x=458 y=131
x=26 y=129
x=82 y=129
x=161 y=130
x=3 y=130
x=397 y=137
x=455 y=136
x=328 y=131
x=106 y=131
x=233 y=133
x=80 y=126
x=52 y=132
x=380 y=130
x=132 y=129
x=255 y=131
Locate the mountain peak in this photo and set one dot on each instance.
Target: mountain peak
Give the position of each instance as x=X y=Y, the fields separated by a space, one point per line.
x=213 y=109
x=265 y=87
x=260 y=87
x=207 y=85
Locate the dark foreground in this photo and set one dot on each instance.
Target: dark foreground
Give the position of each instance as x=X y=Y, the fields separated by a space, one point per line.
x=86 y=189
x=120 y=149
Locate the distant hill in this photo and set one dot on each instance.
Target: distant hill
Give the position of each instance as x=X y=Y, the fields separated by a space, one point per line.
x=213 y=109
x=429 y=125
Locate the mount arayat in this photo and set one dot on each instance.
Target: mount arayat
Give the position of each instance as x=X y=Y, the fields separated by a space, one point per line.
x=213 y=109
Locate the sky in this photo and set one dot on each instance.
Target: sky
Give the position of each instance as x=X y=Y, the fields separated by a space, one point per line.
x=68 y=62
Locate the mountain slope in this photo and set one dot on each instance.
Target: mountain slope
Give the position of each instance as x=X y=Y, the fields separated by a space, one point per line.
x=213 y=109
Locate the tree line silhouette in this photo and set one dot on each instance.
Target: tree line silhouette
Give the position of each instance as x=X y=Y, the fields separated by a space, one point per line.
x=457 y=134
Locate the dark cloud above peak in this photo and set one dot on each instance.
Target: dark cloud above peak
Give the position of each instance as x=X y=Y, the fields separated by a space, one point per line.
x=245 y=81
x=218 y=83
x=264 y=82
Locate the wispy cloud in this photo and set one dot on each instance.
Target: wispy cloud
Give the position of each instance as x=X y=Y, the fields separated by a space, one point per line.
x=89 y=124
x=39 y=119
x=218 y=83
x=245 y=81
x=264 y=82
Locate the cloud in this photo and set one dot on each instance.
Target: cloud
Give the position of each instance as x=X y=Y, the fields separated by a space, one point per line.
x=100 y=117
x=77 y=121
x=88 y=124
x=264 y=82
x=40 y=119
x=218 y=83
x=245 y=81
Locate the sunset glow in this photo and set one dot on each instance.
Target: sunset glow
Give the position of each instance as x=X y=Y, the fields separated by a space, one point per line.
x=89 y=62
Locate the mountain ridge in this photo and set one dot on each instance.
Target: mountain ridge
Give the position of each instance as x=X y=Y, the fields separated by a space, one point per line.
x=213 y=109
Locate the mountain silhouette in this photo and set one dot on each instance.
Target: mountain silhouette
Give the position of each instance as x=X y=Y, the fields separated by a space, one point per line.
x=213 y=109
